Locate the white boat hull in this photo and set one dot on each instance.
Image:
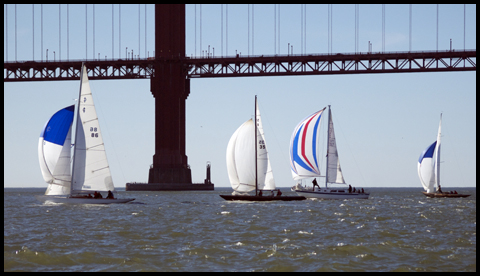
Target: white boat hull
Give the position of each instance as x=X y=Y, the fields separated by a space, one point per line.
x=331 y=195
x=77 y=200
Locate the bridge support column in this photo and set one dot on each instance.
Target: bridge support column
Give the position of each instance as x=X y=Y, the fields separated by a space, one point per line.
x=170 y=87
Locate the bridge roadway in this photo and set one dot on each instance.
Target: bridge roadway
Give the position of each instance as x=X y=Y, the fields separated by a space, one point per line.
x=248 y=66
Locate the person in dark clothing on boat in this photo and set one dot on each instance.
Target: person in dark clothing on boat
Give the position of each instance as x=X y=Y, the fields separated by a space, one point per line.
x=439 y=189
x=110 y=195
x=97 y=195
x=260 y=193
x=314 y=182
x=349 y=189
x=279 y=193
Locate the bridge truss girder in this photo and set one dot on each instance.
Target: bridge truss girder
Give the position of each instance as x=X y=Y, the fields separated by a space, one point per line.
x=249 y=66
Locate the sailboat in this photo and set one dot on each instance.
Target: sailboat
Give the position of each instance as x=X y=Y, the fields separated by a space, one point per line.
x=248 y=165
x=304 y=159
x=429 y=169
x=90 y=172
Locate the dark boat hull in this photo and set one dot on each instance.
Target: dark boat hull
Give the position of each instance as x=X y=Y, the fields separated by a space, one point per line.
x=435 y=195
x=261 y=198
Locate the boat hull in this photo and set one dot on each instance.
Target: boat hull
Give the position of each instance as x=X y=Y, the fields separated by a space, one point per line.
x=331 y=195
x=81 y=200
x=261 y=198
x=436 y=195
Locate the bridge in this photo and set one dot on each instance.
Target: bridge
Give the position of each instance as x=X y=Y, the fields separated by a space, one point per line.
x=279 y=65
x=171 y=70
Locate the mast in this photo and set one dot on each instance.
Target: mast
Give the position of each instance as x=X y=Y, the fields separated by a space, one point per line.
x=256 y=169
x=437 y=150
x=328 y=140
x=76 y=128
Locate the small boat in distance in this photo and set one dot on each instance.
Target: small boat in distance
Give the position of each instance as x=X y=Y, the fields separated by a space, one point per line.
x=304 y=161
x=90 y=172
x=429 y=170
x=248 y=164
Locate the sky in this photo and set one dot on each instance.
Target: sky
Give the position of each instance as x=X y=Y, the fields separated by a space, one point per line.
x=383 y=122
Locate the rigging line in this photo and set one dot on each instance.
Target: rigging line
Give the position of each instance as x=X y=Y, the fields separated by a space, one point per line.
x=253 y=29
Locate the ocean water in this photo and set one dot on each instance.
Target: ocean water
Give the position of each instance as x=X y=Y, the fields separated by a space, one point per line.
x=394 y=230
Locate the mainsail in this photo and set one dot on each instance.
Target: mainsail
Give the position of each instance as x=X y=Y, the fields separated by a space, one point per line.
x=54 y=152
x=265 y=174
x=334 y=172
x=91 y=171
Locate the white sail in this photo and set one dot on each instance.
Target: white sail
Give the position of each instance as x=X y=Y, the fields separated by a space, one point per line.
x=265 y=174
x=91 y=171
x=241 y=158
x=428 y=167
x=334 y=173
x=54 y=152
x=304 y=158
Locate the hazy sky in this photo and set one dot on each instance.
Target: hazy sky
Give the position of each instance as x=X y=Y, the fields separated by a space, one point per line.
x=383 y=122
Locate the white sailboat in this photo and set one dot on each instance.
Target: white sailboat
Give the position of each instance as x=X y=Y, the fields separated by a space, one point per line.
x=304 y=159
x=248 y=164
x=429 y=169
x=90 y=172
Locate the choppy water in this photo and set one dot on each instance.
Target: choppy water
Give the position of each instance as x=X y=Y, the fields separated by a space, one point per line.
x=394 y=230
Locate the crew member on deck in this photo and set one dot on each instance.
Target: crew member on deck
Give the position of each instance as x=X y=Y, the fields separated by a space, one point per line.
x=314 y=182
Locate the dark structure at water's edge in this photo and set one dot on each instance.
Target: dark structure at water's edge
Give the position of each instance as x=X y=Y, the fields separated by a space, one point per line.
x=206 y=186
x=169 y=186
